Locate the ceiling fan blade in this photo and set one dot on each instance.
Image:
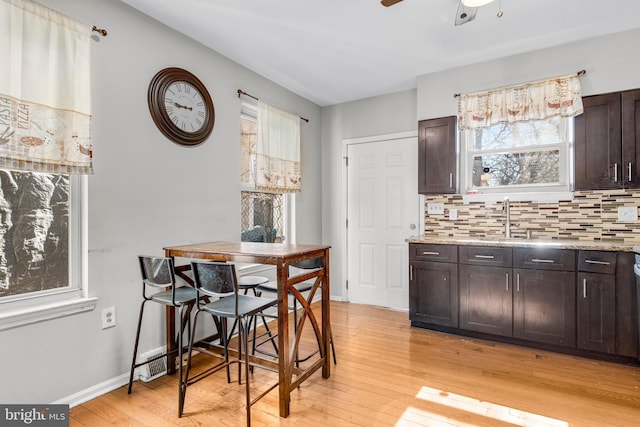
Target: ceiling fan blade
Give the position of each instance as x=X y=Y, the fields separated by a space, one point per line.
x=388 y=3
x=465 y=14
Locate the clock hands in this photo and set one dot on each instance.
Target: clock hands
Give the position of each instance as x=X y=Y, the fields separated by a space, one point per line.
x=175 y=104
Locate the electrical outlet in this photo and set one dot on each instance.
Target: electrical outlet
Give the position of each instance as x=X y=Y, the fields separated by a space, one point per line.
x=435 y=208
x=108 y=317
x=627 y=214
x=453 y=214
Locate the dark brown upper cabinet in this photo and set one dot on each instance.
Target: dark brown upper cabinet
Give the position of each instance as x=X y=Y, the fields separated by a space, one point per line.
x=606 y=137
x=437 y=156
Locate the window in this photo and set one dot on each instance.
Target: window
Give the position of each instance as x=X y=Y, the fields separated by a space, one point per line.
x=531 y=156
x=43 y=259
x=34 y=233
x=262 y=213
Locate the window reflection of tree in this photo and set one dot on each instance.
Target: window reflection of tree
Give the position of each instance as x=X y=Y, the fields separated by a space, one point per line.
x=525 y=166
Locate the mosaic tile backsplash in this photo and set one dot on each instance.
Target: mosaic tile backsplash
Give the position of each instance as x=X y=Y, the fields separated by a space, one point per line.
x=590 y=216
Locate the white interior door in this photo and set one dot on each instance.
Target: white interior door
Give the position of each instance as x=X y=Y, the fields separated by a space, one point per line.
x=383 y=209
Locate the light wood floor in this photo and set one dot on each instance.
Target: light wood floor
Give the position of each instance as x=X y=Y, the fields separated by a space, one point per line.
x=389 y=374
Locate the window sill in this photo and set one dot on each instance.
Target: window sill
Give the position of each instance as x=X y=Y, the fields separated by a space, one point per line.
x=27 y=316
x=546 y=197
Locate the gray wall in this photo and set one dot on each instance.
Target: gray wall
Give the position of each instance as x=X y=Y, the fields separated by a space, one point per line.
x=611 y=63
x=147 y=192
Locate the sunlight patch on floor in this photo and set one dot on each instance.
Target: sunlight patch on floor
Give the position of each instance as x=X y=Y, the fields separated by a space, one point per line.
x=413 y=416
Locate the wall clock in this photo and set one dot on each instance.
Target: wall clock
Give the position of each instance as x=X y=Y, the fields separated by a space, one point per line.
x=181 y=106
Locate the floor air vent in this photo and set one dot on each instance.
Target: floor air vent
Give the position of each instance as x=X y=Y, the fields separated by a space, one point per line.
x=155 y=369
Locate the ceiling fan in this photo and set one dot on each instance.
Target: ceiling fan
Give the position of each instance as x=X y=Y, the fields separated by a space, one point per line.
x=467 y=9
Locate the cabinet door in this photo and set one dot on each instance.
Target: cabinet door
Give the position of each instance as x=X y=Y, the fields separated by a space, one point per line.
x=433 y=293
x=627 y=307
x=596 y=312
x=437 y=156
x=544 y=306
x=631 y=138
x=598 y=143
x=486 y=299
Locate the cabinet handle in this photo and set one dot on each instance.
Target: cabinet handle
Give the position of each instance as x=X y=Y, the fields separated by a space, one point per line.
x=451 y=177
x=485 y=256
x=584 y=288
x=615 y=172
x=410 y=272
x=518 y=282
x=506 y=281
x=430 y=253
x=629 y=171
x=590 y=261
x=544 y=261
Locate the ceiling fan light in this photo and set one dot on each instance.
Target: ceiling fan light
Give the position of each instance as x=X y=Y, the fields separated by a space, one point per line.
x=475 y=3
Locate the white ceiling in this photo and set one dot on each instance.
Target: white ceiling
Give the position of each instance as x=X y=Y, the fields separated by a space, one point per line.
x=333 y=51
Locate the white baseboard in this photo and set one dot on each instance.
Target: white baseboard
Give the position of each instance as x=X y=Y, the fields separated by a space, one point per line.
x=92 y=392
x=104 y=387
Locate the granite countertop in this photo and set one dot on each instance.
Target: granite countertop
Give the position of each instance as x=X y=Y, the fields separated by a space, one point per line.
x=515 y=242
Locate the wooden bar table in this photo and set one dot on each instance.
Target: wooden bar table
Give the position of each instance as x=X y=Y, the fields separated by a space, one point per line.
x=281 y=255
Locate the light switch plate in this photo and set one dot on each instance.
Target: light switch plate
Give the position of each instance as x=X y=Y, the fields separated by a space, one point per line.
x=627 y=214
x=435 y=208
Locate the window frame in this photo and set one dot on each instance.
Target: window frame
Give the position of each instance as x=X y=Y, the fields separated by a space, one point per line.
x=536 y=192
x=249 y=111
x=25 y=309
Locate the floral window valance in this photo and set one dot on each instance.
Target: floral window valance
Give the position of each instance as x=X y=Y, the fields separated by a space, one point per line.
x=277 y=151
x=45 y=98
x=531 y=101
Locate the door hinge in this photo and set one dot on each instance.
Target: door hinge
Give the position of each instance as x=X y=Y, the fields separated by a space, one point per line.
x=347 y=285
x=346 y=223
x=346 y=161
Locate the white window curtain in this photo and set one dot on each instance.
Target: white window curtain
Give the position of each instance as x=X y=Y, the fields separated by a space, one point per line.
x=45 y=98
x=540 y=100
x=277 y=151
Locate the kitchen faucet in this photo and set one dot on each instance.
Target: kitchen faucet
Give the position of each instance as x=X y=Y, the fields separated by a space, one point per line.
x=507 y=224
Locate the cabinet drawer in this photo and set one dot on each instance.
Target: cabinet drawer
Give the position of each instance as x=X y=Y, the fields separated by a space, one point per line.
x=544 y=259
x=486 y=255
x=437 y=253
x=597 y=261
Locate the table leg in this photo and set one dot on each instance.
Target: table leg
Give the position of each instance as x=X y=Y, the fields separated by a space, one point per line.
x=326 y=325
x=170 y=328
x=284 y=366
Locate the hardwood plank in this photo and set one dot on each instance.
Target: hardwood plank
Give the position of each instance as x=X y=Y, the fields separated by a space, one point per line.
x=389 y=374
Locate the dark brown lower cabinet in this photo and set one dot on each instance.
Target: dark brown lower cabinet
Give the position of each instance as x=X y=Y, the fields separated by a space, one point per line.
x=596 y=317
x=544 y=306
x=486 y=299
x=433 y=293
x=577 y=301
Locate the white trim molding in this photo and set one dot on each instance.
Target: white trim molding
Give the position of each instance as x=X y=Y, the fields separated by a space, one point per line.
x=26 y=316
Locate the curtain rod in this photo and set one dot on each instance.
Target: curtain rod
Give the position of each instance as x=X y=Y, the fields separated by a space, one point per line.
x=241 y=92
x=578 y=74
x=101 y=31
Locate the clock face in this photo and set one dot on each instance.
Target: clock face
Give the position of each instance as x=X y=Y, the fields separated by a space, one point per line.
x=181 y=106
x=185 y=106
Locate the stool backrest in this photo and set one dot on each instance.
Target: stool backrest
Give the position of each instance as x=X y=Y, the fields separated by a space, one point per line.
x=308 y=264
x=157 y=272
x=216 y=279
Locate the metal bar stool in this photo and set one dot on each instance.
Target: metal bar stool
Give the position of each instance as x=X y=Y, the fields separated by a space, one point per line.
x=218 y=279
x=158 y=273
